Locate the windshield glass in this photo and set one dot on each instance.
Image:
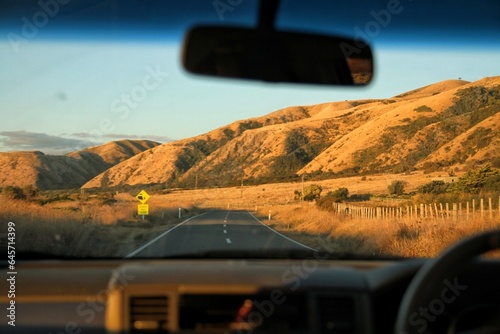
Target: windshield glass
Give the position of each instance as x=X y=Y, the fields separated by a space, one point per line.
x=108 y=148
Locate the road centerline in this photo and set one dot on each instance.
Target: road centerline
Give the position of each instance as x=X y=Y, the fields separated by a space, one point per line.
x=201 y=233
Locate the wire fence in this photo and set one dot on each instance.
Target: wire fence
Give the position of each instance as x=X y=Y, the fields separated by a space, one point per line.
x=483 y=208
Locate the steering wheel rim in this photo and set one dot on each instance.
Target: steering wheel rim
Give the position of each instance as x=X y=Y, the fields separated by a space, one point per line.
x=419 y=294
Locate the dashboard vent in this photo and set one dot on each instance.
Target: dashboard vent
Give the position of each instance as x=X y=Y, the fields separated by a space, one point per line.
x=336 y=314
x=148 y=314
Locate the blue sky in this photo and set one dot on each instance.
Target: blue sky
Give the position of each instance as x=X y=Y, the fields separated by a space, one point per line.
x=81 y=94
x=83 y=73
x=61 y=91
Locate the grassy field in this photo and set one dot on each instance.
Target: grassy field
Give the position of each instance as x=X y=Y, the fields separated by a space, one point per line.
x=86 y=228
x=419 y=238
x=91 y=226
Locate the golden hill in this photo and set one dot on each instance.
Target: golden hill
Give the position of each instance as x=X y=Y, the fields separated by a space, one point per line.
x=66 y=171
x=172 y=162
x=408 y=131
x=449 y=124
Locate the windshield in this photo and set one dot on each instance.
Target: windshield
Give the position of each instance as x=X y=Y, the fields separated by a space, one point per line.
x=109 y=148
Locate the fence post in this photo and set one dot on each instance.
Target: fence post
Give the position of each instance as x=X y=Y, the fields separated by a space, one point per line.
x=467 y=211
x=490 y=207
x=481 y=206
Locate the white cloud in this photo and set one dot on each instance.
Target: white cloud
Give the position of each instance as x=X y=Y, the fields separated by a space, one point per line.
x=35 y=141
x=49 y=144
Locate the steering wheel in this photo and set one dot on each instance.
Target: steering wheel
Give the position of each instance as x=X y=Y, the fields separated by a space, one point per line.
x=440 y=275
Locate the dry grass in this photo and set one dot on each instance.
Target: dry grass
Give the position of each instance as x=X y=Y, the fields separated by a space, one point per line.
x=85 y=229
x=320 y=229
x=266 y=195
x=325 y=230
x=93 y=228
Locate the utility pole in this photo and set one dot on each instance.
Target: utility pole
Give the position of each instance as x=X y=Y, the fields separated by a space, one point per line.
x=241 y=188
x=196 y=181
x=302 y=193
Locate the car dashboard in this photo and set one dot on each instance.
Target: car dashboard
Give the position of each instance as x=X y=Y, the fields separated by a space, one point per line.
x=231 y=296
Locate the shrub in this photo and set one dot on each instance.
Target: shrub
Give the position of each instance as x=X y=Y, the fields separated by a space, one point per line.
x=340 y=194
x=12 y=192
x=326 y=203
x=473 y=98
x=434 y=187
x=430 y=167
x=397 y=187
x=475 y=179
x=495 y=162
x=311 y=193
x=248 y=125
x=30 y=192
x=337 y=196
x=295 y=140
x=359 y=197
x=492 y=184
x=423 y=109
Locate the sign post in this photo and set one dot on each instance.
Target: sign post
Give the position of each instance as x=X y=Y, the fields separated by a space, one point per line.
x=143 y=208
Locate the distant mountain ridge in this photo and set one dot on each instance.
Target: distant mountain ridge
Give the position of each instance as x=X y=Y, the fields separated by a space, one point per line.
x=434 y=127
x=66 y=171
x=443 y=126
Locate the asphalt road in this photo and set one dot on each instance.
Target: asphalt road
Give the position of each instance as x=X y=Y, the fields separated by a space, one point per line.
x=217 y=230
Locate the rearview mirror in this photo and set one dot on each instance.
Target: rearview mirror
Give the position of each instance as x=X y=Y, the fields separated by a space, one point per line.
x=277 y=56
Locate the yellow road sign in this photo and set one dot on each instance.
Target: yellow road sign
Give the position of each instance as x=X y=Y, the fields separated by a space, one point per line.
x=143 y=196
x=143 y=209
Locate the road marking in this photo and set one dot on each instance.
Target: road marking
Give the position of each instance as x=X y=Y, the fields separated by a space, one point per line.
x=228 y=240
x=162 y=235
x=224 y=225
x=284 y=236
x=225 y=231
